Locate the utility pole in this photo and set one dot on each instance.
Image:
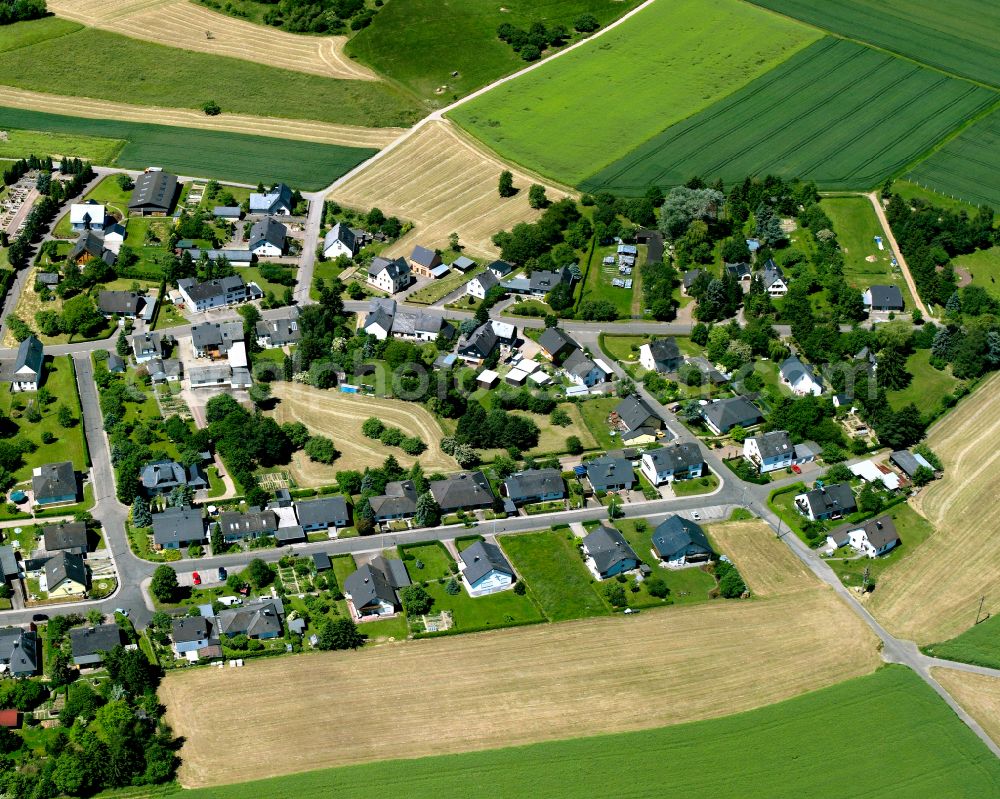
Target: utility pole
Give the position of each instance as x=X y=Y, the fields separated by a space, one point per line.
x=864 y=581
x=979 y=611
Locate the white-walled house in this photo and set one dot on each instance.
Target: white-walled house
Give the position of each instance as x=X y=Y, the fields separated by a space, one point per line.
x=485 y=570
x=190 y=633
x=480 y=284
x=769 y=451
x=26 y=372
x=267 y=238
x=871 y=539
x=340 y=240
x=389 y=276
x=672 y=462
x=87 y=216
x=800 y=378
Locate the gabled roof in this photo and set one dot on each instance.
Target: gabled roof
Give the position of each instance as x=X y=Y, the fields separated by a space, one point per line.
x=634 y=411
x=91 y=243
x=178 y=526
x=54 y=480
x=20 y=650
x=482 y=558
x=30 y=355
x=70 y=535
x=94 y=640
x=280 y=331
x=62 y=566
x=691 y=276
x=143 y=343
x=535 y=482
x=424 y=257
x=556 y=341
x=771 y=274
x=153 y=190
x=609 y=470
x=578 y=364
x=545 y=281
x=463 y=490
x=880 y=531
x=268 y=230
x=885 y=296
x=502 y=268
x=8 y=562
x=323 y=511
x=774 y=444
x=909 y=462
x=87 y=213
x=739 y=271
x=376 y=581
x=120 y=302
x=679 y=536
x=216 y=334
x=395 y=269
x=409 y=323
x=487 y=280
x=836 y=498
x=793 y=370
x=463 y=263
x=342 y=233
x=480 y=342
x=675 y=456
x=255 y=618
x=212 y=288
x=608 y=547
x=664 y=350
x=727 y=413
x=188 y=629
x=252 y=522
x=399 y=499
x=278 y=197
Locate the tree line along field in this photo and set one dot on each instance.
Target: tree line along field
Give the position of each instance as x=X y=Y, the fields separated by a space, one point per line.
x=406 y=40
x=968 y=166
x=596 y=104
x=204 y=153
x=838 y=113
x=959 y=37
x=786 y=749
x=129 y=70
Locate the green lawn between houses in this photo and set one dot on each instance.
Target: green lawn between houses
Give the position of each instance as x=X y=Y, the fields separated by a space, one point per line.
x=806 y=746
x=686 y=586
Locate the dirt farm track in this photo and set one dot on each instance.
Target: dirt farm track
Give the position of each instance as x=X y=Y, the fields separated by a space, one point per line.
x=180 y=23
x=552 y=680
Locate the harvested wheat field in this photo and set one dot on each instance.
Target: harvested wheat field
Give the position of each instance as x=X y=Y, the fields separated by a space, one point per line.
x=304 y=130
x=179 y=23
x=932 y=594
x=552 y=680
x=767 y=566
x=977 y=693
x=340 y=416
x=442 y=182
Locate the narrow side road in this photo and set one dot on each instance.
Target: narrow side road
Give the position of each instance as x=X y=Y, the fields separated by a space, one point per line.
x=897 y=253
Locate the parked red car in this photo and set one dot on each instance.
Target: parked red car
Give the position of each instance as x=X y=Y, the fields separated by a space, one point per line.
x=796 y=469
x=196 y=578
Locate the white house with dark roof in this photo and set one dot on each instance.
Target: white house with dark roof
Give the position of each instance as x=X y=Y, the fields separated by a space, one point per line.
x=389 y=276
x=276 y=202
x=500 y=269
x=279 y=332
x=769 y=451
x=20 y=652
x=258 y=619
x=323 y=514
x=216 y=293
x=175 y=528
x=882 y=298
x=584 y=371
x=267 y=238
x=340 y=240
x=146 y=346
x=485 y=570
x=774 y=280
x=481 y=284
x=89 y=645
x=373 y=590
x=673 y=462
x=27 y=370
x=679 y=542
x=607 y=553
x=799 y=377
x=827 y=502
x=65 y=575
x=89 y=215
x=723 y=415
x=478 y=345
x=534 y=485
x=190 y=634
x=661 y=355
x=556 y=344
x=610 y=473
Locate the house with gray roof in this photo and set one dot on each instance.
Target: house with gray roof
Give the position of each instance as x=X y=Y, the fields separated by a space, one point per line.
x=389 y=276
x=267 y=238
x=478 y=345
x=883 y=298
x=398 y=502
x=65 y=575
x=661 y=355
x=68 y=537
x=799 y=377
x=175 y=528
x=243 y=526
x=276 y=202
x=769 y=451
x=827 y=502
x=463 y=263
x=673 y=462
x=165 y=370
x=774 y=280
x=20 y=652
x=116 y=365
x=259 y=619
x=319 y=515
x=9 y=568
x=709 y=374
x=424 y=261
x=89 y=247
x=231 y=213
x=557 y=344
x=280 y=332
x=723 y=415
x=608 y=553
x=690 y=277
x=340 y=240
x=634 y=412
x=584 y=371
x=190 y=634
x=908 y=462
x=373 y=590
x=147 y=345
x=213 y=339
x=26 y=372
x=217 y=293
x=463 y=491
x=680 y=542
x=161 y=477
x=153 y=194
x=609 y=473
x=485 y=570
x=54 y=483
x=90 y=644
x=127 y=304
x=535 y=485
x=480 y=285
x=871 y=538
x=420 y=325
x=500 y=268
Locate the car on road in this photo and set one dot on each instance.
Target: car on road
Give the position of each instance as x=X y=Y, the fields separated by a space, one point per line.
x=696 y=516
x=122 y=611
x=796 y=468
x=40 y=617
x=196 y=578
x=223 y=573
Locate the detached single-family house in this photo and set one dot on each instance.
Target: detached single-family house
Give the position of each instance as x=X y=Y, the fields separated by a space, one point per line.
x=742 y=273
x=378 y=322
x=827 y=502
x=500 y=269
x=216 y=293
x=799 y=377
x=583 y=371
x=65 y=575
x=319 y=515
x=88 y=247
x=373 y=590
x=153 y=194
x=540 y=283
x=340 y=240
x=424 y=261
x=463 y=491
x=276 y=202
x=689 y=279
x=389 y=276
x=242 y=526
x=634 y=413
x=175 y=528
x=534 y=485
x=883 y=298
x=769 y=451
x=146 y=346
x=190 y=634
x=557 y=344
x=672 y=462
x=259 y=619
x=610 y=473
x=485 y=570
x=908 y=462
x=90 y=644
x=680 y=542
x=89 y=215
x=10 y=568
x=165 y=370
x=608 y=553
x=214 y=339
x=54 y=483
x=267 y=238
x=161 y=477
x=661 y=355
x=481 y=284
x=26 y=371
x=20 y=652
x=478 y=345
x=398 y=502
x=281 y=332
x=127 y=304
x=872 y=538
x=774 y=280
x=67 y=537
x=420 y=325
x=723 y=415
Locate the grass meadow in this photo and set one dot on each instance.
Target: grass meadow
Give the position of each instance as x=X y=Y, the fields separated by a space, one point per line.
x=959 y=37
x=404 y=41
x=204 y=153
x=595 y=105
x=967 y=167
x=928 y=386
x=806 y=746
x=128 y=70
x=838 y=113
x=984 y=266
x=979 y=645
x=22 y=143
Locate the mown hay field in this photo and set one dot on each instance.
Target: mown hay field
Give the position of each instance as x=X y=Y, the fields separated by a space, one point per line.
x=781 y=750
x=838 y=113
x=933 y=594
x=585 y=110
x=122 y=69
x=220 y=154
x=959 y=36
x=181 y=23
x=768 y=569
x=552 y=681
x=977 y=693
x=339 y=417
x=442 y=182
x=967 y=167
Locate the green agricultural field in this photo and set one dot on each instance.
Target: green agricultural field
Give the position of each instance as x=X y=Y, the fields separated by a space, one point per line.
x=979 y=645
x=984 y=267
x=122 y=69
x=909 y=190
x=928 y=386
x=22 y=143
x=967 y=167
x=26 y=34
x=206 y=153
x=598 y=103
x=840 y=114
x=856 y=226
x=959 y=37
x=404 y=41
x=555 y=574
x=790 y=742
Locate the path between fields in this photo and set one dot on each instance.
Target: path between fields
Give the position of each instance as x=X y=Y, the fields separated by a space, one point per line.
x=897 y=253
